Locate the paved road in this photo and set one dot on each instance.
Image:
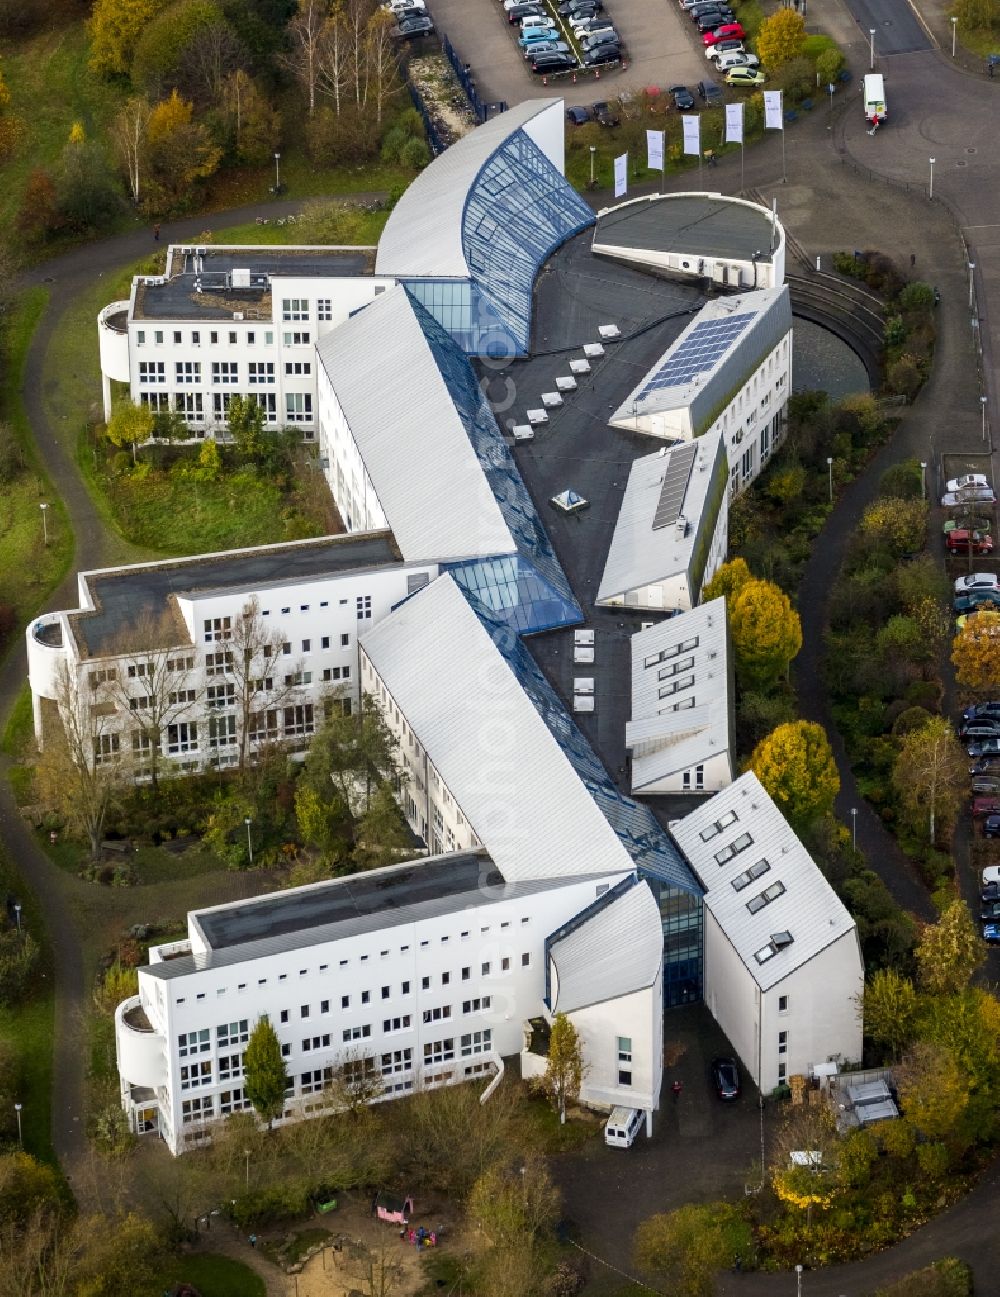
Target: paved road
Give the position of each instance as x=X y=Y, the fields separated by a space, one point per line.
x=897 y=30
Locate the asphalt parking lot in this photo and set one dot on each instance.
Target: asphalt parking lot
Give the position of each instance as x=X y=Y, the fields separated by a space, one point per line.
x=660 y=40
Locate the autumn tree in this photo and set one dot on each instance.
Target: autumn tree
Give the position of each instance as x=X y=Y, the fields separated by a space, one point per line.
x=381 y=62
x=514 y=1201
x=250 y=657
x=931 y=772
x=975 y=653
x=114 y=28
x=796 y=766
x=564 y=1068
x=781 y=38
x=306 y=35
x=896 y=525
x=689 y=1246
x=130 y=424
x=949 y=951
x=728 y=581
x=11 y=126
x=888 y=1009
x=264 y=1072
x=934 y=1089
x=245 y=422
x=766 y=632
x=255 y=125
x=127 y=131
x=181 y=151
x=39 y=216
x=117 y=1257
x=82 y=767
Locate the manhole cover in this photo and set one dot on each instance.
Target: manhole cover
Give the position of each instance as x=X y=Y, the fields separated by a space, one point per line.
x=970 y=150
x=961 y=164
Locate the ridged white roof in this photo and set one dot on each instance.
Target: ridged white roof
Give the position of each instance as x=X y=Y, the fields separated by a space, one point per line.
x=415 y=447
x=423 y=235
x=663 y=741
x=808 y=909
x=510 y=777
x=617 y=950
x=640 y=555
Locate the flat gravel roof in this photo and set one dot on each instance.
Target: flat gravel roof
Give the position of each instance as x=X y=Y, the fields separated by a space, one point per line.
x=696 y=224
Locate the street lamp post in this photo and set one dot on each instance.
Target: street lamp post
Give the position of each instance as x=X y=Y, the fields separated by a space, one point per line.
x=930 y=192
x=954 y=28
x=246 y=1154
x=982 y=406
x=972 y=285
x=20 y=1138
x=248 y=822
x=831 y=87
x=45 y=521
x=923 y=479
x=17 y=916
x=798 y=1280
x=871 y=49
x=277 y=173
x=829 y=467
x=854 y=827
x=593 y=154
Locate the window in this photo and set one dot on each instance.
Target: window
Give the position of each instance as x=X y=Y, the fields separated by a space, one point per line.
x=439 y=1051
x=299 y=720
x=782 y=1042
x=782 y=1003
x=298 y=367
x=225 y=372
x=477 y=1042
x=233 y=1101
x=316 y=1042
x=723 y=822
x=264 y=726
x=260 y=371
x=195 y=1074
x=218 y=628
x=404 y=988
x=318 y=1079
x=779 y=941
x=230 y=1067
x=325 y=642
x=106 y=748
x=479 y=1005
x=194 y=1042
x=436 y=1015
x=484 y=968
x=187 y=372
x=141 y=703
x=140 y=337
x=782 y=1069
x=425 y=983
x=199 y=1109
x=750 y=875
x=98 y=678
x=182 y=737
x=624 y=1060
x=769 y=894
x=220 y=695
x=232 y=337
x=357 y=1033
x=232 y=1033
x=401 y=1023
x=286 y=1051
x=386 y=992
x=306 y=645
x=345 y=1001
x=324 y=309
x=466 y=974
x=180 y=664
x=735 y=847
x=217 y=664
x=324 y=1006
x=189 y=404
x=445 y=979
x=358 y=1070
x=366 y=997
x=294 y=308
x=363 y=604
x=221 y=731
x=152 y=371
x=345 y=641
x=397 y=1060
x=304 y=1011
x=296 y=339
x=284 y=1015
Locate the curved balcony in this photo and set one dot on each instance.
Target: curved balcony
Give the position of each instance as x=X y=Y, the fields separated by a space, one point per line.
x=112 y=332
x=48 y=637
x=141 y=1049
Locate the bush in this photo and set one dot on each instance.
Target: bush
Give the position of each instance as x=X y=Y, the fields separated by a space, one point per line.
x=946 y=1278
x=797 y=79
x=415 y=154
x=269 y=1206
x=902 y=480
x=828 y=65
x=19 y=957
x=904 y=376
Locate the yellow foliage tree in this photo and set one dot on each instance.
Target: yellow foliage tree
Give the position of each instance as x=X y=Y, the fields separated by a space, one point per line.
x=949 y=951
x=899 y=526
x=933 y=1088
x=180 y=150
x=796 y=766
x=889 y=1008
x=114 y=29
x=77 y=135
x=975 y=653
x=780 y=38
x=130 y=424
x=766 y=632
x=728 y=581
x=931 y=772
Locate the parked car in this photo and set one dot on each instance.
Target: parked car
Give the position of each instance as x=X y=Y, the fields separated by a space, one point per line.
x=977 y=581
x=682 y=97
x=574 y=6
x=991 y=892
x=601 y=54
x=545 y=47
x=710 y=92
x=976 y=524
x=603 y=113
x=991 y=826
x=962 y=541
x=984 y=748
x=727 y=32
x=977 y=599
x=981 y=709
x=985 y=786
x=980 y=729
x=982 y=806
x=970 y=480
x=991 y=933
x=745 y=77
x=726 y=1078
x=578 y=116
x=727 y=58
x=991 y=874
x=607 y=36
x=525 y=10
x=728 y=46
x=975 y=495
x=710 y=21
x=534 y=36
x=989 y=911
x=545 y=63
x=409 y=29
x=576 y=21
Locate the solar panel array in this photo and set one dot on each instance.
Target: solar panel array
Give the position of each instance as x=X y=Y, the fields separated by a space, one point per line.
x=699 y=351
x=675 y=481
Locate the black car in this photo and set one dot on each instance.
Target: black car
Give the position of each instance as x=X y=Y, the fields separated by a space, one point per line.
x=991 y=710
x=710 y=92
x=601 y=54
x=571 y=7
x=525 y=11
x=990 y=912
x=990 y=892
x=577 y=116
x=410 y=28
x=980 y=727
x=682 y=97
x=595 y=40
x=726 y=1078
x=709 y=22
x=603 y=114
x=553 y=62
x=991 y=826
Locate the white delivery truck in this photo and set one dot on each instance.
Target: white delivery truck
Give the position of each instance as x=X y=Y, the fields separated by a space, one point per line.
x=874 y=93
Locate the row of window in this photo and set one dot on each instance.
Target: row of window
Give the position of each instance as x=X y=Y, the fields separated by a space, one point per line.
x=182 y=736
x=225 y=373
x=298 y=405
x=232 y=336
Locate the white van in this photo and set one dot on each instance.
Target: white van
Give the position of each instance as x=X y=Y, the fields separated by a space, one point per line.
x=874 y=93
x=623 y=1126
x=991 y=874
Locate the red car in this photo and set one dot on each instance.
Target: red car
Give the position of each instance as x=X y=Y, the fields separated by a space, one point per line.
x=732 y=31
x=985 y=806
x=958 y=542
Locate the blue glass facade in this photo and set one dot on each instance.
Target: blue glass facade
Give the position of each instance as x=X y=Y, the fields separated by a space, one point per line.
x=529 y=590
x=518 y=210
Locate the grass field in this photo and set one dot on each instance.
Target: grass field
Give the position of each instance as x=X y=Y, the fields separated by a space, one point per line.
x=213 y=1276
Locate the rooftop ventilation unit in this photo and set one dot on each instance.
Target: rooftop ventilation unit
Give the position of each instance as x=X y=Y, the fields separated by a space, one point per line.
x=240 y=279
x=680 y=527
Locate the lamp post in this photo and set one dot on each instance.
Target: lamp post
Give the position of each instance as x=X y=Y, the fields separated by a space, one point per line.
x=982 y=406
x=854 y=827
x=248 y=822
x=831 y=87
x=277 y=173
x=871 y=49
x=954 y=28
x=17 y=916
x=593 y=154
x=829 y=468
x=798 y=1280
x=246 y=1154
x=923 y=479
x=930 y=191
x=45 y=521
x=20 y=1138
x=972 y=285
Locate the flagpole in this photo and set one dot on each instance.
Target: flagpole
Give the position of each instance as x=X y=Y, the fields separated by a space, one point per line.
x=742 y=159
x=784 y=171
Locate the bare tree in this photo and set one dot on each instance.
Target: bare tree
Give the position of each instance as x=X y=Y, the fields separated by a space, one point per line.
x=128 y=137
x=381 y=66
x=331 y=70
x=209 y=59
x=356 y=1081
x=262 y=685
x=82 y=767
x=155 y=685
x=376 y=1271
x=305 y=36
x=357 y=14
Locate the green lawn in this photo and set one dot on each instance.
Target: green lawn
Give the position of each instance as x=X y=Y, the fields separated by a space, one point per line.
x=213 y=1276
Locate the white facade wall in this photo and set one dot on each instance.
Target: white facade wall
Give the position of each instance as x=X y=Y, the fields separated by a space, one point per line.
x=637 y=1018
x=547 y=129
x=319 y=620
x=732 y=995
x=492 y=950
x=346 y=475
x=270 y=354
x=713 y=772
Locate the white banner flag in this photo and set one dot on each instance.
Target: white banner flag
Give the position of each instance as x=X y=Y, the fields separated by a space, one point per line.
x=654 y=150
x=773 y=118
x=692 y=135
x=734 y=123
x=621 y=175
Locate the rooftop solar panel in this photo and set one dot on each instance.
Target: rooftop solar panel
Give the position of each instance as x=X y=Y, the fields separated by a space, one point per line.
x=675 y=480
x=699 y=350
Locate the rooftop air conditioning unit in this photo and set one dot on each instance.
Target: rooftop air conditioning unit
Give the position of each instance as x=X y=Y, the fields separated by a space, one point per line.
x=237 y=315
x=241 y=279
x=681 y=526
